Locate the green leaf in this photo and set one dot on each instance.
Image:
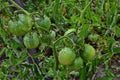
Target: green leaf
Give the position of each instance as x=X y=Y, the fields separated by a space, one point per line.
x=20 y=60
x=13 y=44
x=111 y=43
x=37 y=73
x=83 y=32
x=116 y=50
x=69 y=31
x=13 y=60
x=40 y=54
x=3 y=35
x=83 y=73
x=9 y=52
x=105 y=78
x=2 y=51
x=117 y=31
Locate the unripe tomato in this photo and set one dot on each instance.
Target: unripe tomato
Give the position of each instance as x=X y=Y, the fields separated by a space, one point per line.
x=45 y=23
x=31 y=40
x=89 y=52
x=77 y=64
x=66 y=56
x=93 y=37
x=27 y=21
x=20 y=27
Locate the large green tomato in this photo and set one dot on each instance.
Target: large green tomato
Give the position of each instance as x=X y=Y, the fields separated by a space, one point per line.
x=66 y=56
x=89 y=52
x=27 y=21
x=31 y=40
x=15 y=28
x=21 y=26
x=77 y=64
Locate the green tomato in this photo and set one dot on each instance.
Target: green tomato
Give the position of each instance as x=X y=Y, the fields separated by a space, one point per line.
x=15 y=28
x=45 y=23
x=89 y=52
x=20 y=27
x=66 y=56
x=31 y=40
x=27 y=21
x=77 y=64
x=93 y=37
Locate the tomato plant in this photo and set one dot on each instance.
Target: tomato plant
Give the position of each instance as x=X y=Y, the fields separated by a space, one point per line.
x=59 y=39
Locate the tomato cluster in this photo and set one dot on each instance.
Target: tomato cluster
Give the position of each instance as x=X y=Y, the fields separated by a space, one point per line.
x=68 y=57
x=23 y=26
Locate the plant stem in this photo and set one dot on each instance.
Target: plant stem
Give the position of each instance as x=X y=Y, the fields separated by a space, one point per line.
x=17 y=6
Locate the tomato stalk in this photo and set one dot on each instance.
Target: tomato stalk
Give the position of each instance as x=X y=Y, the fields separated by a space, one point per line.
x=17 y=6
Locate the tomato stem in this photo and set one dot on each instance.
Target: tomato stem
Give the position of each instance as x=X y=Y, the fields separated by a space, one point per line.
x=56 y=58
x=17 y=6
x=62 y=37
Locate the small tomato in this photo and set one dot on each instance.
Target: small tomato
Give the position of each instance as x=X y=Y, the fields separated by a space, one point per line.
x=77 y=64
x=31 y=40
x=89 y=52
